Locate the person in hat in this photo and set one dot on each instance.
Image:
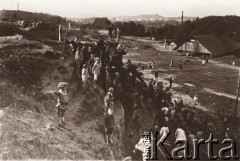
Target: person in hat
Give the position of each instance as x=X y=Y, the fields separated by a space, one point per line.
x=119 y=52
x=85 y=75
x=90 y=65
x=158 y=90
x=168 y=96
x=162 y=117
x=109 y=125
x=90 y=50
x=151 y=88
x=181 y=66
x=116 y=81
x=138 y=105
x=108 y=78
x=74 y=44
x=152 y=65
x=109 y=100
x=110 y=30
x=156 y=74
x=85 y=54
x=96 y=69
x=78 y=59
x=171 y=63
x=170 y=82
x=107 y=55
x=62 y=102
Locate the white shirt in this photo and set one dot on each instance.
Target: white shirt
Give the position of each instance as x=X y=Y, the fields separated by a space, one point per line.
x=140 y=145
x=163 y=132
x=96 y=68
x=180 y=134
x=84 y=73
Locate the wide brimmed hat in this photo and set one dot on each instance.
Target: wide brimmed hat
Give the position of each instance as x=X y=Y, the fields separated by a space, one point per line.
x=97 y=58
x=111 y=89
x=165 y=109
x=62 y=84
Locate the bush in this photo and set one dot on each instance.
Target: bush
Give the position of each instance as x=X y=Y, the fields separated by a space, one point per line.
x=8 y=29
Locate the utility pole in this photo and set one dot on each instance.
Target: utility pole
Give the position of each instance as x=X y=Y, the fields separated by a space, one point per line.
x=236 y=103
x=182 y=18
x=165 y=43
x=17 y=10
x=60 y=33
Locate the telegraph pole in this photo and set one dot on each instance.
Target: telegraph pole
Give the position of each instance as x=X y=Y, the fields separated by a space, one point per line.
x=182 y=18
x=236 y=103
x=17 y=10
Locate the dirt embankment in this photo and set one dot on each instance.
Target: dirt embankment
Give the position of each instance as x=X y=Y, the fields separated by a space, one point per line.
x=28 y=117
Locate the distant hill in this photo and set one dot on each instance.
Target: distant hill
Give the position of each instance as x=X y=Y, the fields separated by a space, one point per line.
x=139 y=18
x=155 y=17
x=142 y=18
x=29 y=16
x=82 y=20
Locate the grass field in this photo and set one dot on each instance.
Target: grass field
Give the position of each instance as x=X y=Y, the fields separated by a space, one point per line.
x=215 y=83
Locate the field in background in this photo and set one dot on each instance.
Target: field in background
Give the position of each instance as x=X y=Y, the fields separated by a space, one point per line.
x=214 y=83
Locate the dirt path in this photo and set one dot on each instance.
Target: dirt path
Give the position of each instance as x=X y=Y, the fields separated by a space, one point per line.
x=220 y=93
x=148 y=75
x=223 y=65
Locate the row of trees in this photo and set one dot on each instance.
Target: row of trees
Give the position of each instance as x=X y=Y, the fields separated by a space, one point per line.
x=217 y=25
x=30 y=16
x=98 y=23
x=131 y=28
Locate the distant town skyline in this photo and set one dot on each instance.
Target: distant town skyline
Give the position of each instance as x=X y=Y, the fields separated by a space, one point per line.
x=116 y=8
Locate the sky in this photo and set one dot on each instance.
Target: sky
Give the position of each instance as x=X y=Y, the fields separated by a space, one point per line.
x=114 y=8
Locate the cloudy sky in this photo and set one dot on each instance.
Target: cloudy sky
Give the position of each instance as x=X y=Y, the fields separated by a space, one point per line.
x=113 y=8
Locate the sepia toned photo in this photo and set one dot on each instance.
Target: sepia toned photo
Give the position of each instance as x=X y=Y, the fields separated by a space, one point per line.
x=119 y=80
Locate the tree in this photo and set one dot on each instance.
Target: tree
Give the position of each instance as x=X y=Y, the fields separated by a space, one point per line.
x=101 y=23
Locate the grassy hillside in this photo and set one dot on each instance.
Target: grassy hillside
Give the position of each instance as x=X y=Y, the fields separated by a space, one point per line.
x=28 y=116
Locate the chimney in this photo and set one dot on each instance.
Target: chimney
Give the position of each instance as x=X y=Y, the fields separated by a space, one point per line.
x=182 y=18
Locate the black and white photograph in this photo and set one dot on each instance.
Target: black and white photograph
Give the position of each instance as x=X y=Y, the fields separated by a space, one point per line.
x=119 y=80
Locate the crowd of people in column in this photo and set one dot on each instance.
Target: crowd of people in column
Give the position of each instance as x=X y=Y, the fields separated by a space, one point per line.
x=100 y=64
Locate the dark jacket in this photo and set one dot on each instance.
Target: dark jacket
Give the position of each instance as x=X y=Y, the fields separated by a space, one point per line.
x=109 y=121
